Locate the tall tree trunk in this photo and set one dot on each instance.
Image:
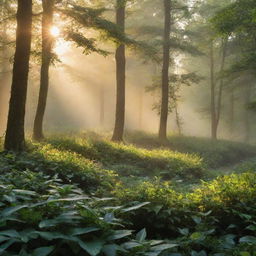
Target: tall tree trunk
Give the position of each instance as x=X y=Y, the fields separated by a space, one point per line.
x=47 y=44
x=141 y=94
x=4 y=68
x=247 y=116
x=178 y=119
x=222 y=66
x=120 y=76
x=15 y=135
x=213 y=89
x=232 y=112
x=165 y=72
x=102 y=106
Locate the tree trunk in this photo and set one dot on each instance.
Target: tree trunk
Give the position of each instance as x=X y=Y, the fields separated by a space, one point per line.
x=165 y=73
x=178 y=119
x=102 y=106
x=15 y=137
x=4 y=69
x=247 y=116
x=213 y=85
x=47 y=44
x=223 y=59
x=141 y=94
x=120 y=76
x=232 y=112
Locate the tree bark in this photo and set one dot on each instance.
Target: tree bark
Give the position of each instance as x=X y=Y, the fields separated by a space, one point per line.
x=213 y=89
x=4 y=68
x=247 y=114
x=102 y=106
x=120 y=76
x=222 y=66
x=165 y=72
x=232 y=112
x=141 y=93
x=47 y=44
x=15 y=135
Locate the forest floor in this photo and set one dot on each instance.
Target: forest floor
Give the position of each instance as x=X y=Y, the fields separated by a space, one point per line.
x=82 y=194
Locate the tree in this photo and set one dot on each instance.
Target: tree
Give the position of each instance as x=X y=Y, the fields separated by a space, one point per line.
x=15 y=137
x=47 y=45
x=120 y=75
x=165 y=72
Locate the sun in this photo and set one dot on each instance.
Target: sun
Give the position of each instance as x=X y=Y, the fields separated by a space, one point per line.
x=55 y=31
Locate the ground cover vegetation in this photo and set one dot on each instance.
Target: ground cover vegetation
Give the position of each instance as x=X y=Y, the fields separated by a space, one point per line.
x=73 y=195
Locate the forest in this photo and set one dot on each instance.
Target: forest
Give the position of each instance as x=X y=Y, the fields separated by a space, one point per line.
x=127 y=127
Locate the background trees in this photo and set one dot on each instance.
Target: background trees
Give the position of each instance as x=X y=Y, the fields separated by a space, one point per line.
x=202 y=48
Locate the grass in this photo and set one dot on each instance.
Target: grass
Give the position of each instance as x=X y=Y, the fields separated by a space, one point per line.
x=214 y=153
x=129 y=160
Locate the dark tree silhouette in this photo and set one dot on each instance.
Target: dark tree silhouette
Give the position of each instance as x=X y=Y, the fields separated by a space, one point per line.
x=47 y=44
x=15 y=137
x=120 y=76
x=165 y=72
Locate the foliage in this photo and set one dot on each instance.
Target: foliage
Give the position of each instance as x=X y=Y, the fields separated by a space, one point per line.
x=71 y=167
x=159 y=162
x=214 y=153
x=217 y=217
x=63 y=220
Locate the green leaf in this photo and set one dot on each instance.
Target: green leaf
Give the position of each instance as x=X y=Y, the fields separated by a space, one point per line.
x=197 y=236
x=11 y=210
x=184 y=231
x=93 y=247
x=118 y=234
x=141 y=235
x=248 y=239
x=245 y=254
x=131 y=245
x=82 y=231
x=163 y=247
x=196 y=219
x=111 y=249
x=10 y=233
x=43 y=251
x=25 y=192
x=135 y=207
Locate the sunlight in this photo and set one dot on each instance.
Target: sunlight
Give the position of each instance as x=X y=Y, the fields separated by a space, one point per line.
x=61 y=47
x=55 y=31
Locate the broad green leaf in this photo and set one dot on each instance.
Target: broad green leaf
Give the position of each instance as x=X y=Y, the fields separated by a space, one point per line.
x=111 y=249
x=118 y=234
x=141 y=235
x=25 y=192
x=248 y=239
x=82 y=231
x=196 y=219
x=43 y=251
x=11 y=210
x=163 y=247
x=135 y=207
x=10 y=233
x=92 y=247
x=184 y=231
x=131 y=245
